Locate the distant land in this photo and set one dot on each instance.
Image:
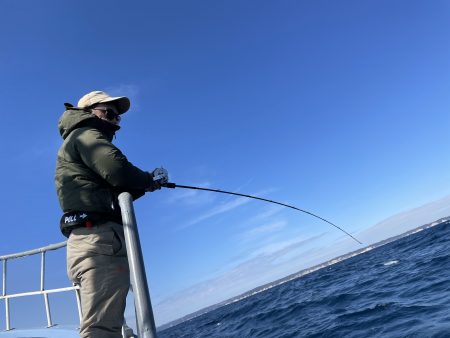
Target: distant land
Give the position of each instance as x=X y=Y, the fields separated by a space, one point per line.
x=301 y=273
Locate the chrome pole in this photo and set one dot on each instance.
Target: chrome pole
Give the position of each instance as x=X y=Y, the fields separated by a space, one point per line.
x=47 y=311
x=78 y=297
x=47 y=303
x=42 y=270
x=144 y=313
x=7 y=320
x=4 y=278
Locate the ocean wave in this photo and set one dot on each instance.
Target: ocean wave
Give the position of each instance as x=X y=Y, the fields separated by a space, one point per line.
x=393 y=262
x=358 y=298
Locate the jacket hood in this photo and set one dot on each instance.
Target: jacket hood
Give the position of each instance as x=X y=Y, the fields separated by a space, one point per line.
x=72 y=119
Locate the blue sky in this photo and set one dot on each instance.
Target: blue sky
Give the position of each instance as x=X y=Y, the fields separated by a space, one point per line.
x=340 y=108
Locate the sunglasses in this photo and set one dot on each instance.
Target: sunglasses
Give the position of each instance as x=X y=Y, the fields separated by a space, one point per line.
x=110 y=114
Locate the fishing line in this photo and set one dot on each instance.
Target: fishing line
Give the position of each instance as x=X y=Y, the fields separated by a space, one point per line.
x=174 y=185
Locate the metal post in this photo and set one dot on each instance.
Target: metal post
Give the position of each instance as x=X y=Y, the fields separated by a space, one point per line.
x=144 y=313
x=47 y=303
x=42 y=270
x=4 y=278
x=78 y=297
x=8 y=320
x=47 y=311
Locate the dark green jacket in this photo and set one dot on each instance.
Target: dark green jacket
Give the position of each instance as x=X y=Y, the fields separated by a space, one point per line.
x=90 y=170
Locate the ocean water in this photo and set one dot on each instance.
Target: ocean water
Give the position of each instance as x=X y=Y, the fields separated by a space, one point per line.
x=401 y=289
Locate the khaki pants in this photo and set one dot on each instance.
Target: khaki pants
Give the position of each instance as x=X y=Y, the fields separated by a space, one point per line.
x=97 y=261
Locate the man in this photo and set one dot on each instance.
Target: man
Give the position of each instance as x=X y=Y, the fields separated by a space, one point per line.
x=90 y=174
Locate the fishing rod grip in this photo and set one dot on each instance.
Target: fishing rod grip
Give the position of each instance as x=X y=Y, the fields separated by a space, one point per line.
x=169 y=185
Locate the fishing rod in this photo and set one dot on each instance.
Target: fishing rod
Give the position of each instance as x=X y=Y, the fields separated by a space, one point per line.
x=174 y=185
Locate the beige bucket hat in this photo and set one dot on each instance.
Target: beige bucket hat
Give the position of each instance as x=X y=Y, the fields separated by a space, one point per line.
x=121 y=102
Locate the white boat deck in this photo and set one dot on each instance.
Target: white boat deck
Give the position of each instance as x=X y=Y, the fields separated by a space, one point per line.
x=53 y=332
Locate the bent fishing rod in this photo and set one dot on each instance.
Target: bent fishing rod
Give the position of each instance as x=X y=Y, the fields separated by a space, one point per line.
x=174 y=185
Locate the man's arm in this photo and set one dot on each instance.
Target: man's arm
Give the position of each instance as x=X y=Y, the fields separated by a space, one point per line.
x=110 y=163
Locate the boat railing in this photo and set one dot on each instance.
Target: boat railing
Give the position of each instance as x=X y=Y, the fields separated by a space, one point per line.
x=5 y=296
x=145 y=322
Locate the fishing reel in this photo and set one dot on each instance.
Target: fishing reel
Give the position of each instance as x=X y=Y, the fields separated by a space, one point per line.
x=161 y=175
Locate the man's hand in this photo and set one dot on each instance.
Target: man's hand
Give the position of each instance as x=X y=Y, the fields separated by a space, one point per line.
x=160 y=177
